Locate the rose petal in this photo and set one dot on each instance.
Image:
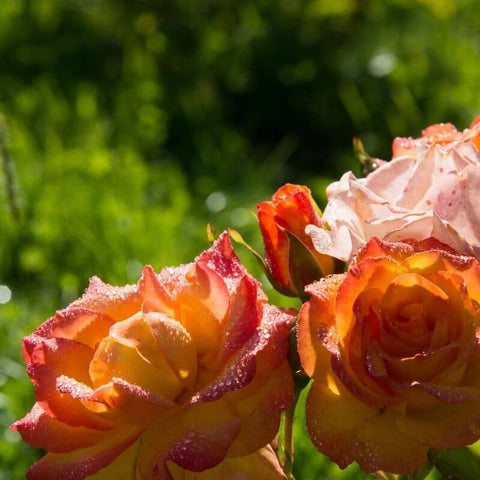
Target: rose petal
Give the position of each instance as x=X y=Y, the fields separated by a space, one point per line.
x=118 y=401
x=116 y=302
x=261 y=465
x=259 y=405
x=79 y=324
x=41 y=430
x=175 y=344
x=315 y=326
x=242 y=321
x=445 y=426
x=263 y=352
x=49 y=361
x=390 y=180
x=276 y=244
x=153 y=292
x=196 y=439
x=114 y=359
x=80 y=463
x=124 y=466
x=347 y=430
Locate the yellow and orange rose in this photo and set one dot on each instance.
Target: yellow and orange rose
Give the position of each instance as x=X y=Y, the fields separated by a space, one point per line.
x=156 y=380
x=393 y=349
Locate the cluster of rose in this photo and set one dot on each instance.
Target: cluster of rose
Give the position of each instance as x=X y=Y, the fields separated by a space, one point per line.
x=185 y=375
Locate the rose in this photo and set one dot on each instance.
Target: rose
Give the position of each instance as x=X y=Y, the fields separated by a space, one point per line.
x=393 y=349
x=429 y=189
x=291 y=258
x=187 y=366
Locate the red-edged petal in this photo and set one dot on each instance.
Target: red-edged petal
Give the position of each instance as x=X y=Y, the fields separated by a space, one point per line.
x=41 y=430
x=80 y=463
x=259 y=406
x=221 y=259
x=119 y=401
x=243 y=319
x=196 y=439
x=277 y=246
x=118 y=303
x=75 y=323
x=123 y=467
x=264 y=352
x=154 y=293
x=51 y=359
x=261 y=465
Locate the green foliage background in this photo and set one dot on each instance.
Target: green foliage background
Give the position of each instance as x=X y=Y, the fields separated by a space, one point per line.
x=134 y=122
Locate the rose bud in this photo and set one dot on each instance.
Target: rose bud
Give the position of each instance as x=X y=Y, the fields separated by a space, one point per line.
x=291 y=258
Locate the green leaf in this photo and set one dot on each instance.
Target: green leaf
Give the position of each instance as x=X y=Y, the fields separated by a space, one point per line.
x=237 y=238
x=460 y=463
x=210 y=232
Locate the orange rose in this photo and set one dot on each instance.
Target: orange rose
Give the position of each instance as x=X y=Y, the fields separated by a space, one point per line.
x=187 y=366
x=291 y=257
x=393 y=349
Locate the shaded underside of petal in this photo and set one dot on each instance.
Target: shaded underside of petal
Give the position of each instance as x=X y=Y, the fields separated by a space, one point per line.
x=196 y=438
x=261 y=465
x=41 y=430
x=259 y=406
x=262 y=353
x=316 y=334
x=80 y=463
x=124 y=467
x=445 y=426
x=347 y=430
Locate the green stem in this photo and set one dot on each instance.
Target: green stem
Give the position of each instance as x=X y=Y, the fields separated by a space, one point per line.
x=288 y=439
x=300 y=381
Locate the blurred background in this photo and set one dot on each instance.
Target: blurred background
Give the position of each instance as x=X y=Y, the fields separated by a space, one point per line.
x=134 y=122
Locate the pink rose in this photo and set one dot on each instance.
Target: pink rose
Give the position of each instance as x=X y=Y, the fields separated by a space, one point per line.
x=429 y=189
